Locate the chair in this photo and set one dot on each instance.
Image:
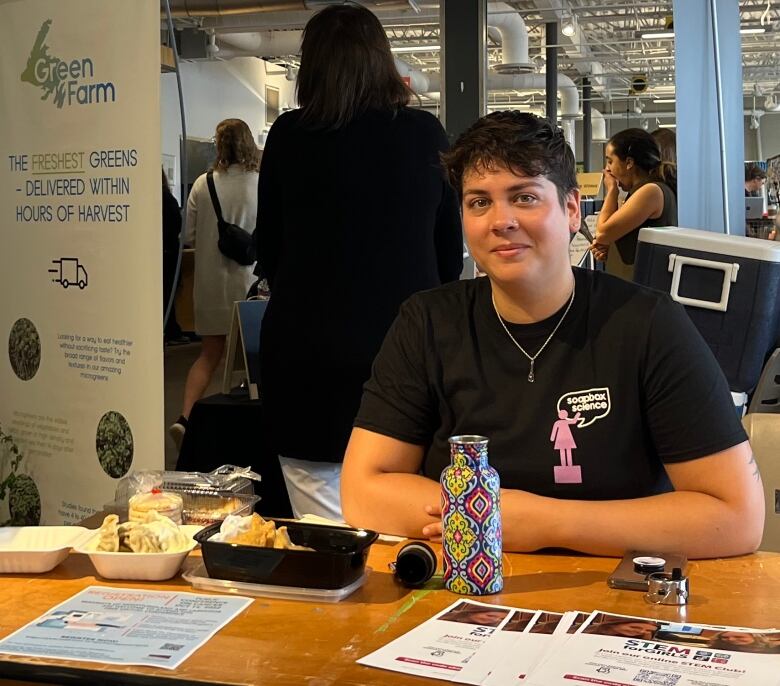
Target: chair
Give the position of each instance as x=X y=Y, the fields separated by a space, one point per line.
x=764 y=432
x=242 y=363
x=766 y=397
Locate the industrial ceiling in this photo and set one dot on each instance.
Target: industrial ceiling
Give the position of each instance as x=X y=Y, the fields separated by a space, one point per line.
x=612 y=39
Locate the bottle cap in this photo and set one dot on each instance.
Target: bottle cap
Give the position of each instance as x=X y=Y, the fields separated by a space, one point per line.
x=415 y=564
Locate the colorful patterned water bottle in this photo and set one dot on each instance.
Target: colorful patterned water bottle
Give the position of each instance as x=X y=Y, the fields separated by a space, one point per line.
x=471 y=519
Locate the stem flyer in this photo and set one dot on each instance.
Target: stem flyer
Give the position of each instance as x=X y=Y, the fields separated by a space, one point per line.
x=490 y=645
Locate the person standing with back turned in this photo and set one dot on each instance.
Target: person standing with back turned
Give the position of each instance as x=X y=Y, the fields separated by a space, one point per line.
x=354 y=216
x=219 y=280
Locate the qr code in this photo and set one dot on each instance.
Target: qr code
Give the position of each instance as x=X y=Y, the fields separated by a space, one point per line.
x=174 y=646
x=647 y=676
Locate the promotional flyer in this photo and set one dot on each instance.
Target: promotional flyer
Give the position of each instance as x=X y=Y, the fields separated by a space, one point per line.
x=490 y=645
x=125 y=626
x=80 y=268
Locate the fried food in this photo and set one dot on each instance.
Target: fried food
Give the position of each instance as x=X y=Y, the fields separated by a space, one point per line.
x=256 y=531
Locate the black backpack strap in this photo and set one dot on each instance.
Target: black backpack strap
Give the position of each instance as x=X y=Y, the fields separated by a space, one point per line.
x=214 y=198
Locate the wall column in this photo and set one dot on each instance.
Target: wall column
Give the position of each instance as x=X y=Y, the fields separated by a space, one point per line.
x=551 y=59
x=710 y=139
x=587 y=125
x=464 y=66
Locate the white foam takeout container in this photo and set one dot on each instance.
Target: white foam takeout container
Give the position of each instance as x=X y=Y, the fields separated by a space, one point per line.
x=137 y=566
x=37 y=549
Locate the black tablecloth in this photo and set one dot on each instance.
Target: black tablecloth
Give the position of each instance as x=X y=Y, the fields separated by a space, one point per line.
x=227 y=429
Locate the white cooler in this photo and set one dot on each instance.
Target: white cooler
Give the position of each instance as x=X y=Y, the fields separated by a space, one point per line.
x=730 y=288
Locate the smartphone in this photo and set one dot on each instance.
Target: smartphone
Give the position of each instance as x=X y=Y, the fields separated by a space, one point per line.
x=633 y=577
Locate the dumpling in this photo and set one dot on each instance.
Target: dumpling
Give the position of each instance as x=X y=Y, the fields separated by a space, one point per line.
x=157 y=534
x=143 y=540
x=170 y=537
x=108 y=536
x=124 y=532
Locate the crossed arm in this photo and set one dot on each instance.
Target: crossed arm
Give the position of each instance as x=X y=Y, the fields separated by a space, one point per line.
x=614 y=223
x=716 y=510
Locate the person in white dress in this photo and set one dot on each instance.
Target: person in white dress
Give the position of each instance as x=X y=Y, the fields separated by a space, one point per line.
x=219 y=280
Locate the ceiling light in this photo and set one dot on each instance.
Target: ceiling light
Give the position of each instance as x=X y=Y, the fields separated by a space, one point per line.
x=568 y=29
x=664 y=101
x=415 y=48
x=658 y=35
x=669 y=126
x=751 y=31
x=650 y=58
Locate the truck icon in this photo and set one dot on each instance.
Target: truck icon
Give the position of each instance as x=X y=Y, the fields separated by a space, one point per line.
x=69 y=272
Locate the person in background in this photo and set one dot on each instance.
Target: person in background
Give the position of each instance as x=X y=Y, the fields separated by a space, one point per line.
x=219 y=281
x=661 y=460
x=754 y=180
x=354 y=216
x=634 y=164
x=171 y=226
x=666 y=141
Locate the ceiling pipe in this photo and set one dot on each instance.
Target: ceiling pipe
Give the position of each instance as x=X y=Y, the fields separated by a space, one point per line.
x=599 y=125
x=514 y=38
x=221 y=8
x=504 y=19
x=570 y=99
x=419 y=82
x=218 y=8
x=265 y=43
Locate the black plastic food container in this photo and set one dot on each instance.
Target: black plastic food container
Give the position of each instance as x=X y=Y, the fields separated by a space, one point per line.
x=338 y=557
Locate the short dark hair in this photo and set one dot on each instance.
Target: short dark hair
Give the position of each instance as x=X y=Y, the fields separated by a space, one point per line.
x=346 y=68
x=753 y=171
x=517 y=141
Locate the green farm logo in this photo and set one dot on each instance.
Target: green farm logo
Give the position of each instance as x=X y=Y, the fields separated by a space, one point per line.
x=66 y=82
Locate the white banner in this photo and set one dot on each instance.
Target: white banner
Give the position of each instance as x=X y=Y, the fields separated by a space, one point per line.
x=81 y=389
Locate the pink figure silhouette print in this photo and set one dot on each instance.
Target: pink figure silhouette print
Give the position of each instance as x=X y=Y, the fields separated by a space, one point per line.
x=563 y=442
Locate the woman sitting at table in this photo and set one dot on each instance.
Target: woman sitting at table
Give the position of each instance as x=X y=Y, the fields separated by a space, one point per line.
x=661 y=460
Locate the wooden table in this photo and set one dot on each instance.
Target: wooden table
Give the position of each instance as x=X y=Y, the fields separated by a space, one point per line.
x=285 y=642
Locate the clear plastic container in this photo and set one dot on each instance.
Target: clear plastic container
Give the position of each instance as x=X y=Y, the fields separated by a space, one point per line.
x=207 y=497
x=200 y=579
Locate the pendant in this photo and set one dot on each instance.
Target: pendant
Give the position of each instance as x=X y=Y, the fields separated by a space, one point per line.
x=531 y=373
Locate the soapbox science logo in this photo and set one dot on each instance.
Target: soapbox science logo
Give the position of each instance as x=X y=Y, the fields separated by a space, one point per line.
x=577 y=409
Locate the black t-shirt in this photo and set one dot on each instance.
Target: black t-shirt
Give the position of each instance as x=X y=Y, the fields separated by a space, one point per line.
x=626 y=358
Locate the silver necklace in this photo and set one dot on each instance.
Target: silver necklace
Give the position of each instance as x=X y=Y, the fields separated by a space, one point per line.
x=532 y=358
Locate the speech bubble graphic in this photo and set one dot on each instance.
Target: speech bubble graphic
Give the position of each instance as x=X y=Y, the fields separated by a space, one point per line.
x=592 y=404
